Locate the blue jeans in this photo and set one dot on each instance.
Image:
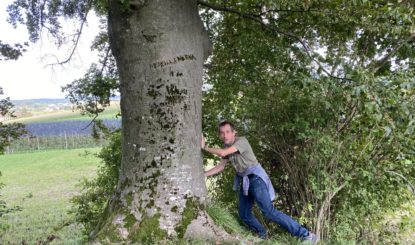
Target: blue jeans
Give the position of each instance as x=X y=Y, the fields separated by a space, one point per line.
x=258 y=192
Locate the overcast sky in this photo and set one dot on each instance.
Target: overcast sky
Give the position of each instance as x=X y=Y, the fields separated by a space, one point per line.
x=28 y=78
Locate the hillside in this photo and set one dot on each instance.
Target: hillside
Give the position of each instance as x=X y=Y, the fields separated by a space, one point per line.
x=54 y=110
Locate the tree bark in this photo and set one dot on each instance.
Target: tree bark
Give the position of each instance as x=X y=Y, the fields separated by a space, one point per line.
x=160 y=47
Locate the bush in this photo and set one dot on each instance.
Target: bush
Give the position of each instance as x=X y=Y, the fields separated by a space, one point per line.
x=89 y=206
x=339 y=154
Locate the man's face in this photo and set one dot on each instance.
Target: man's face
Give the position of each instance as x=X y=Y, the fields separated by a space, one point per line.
x=226 y=134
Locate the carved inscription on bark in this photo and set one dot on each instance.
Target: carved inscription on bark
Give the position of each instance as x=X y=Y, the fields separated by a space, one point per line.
x=175 y=60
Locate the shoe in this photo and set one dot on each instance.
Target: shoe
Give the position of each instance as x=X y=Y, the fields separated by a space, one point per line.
x=311 y=237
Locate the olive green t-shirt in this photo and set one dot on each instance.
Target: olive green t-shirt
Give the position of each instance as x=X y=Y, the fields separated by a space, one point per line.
x=244 y=158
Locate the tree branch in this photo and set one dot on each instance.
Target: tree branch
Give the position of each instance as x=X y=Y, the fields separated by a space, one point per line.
x=78 y=37
x=380 y=63
x=341 y=126
x=403 y=177
x=257 y=18
x=104 y=63
x=91 y=122
x=325 y=206
x=230 y=10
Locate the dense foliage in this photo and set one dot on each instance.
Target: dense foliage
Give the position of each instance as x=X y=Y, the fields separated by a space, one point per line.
x=11 y=52
x=324 y=91
x=11 y=131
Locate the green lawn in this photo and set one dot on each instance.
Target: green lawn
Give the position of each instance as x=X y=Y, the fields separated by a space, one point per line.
x=42 y=184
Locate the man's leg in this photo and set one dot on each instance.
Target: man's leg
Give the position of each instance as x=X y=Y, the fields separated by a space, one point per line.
x=259 y=191
x=245 y=213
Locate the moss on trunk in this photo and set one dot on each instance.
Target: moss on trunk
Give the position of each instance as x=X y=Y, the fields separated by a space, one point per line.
x=148 y=232
x=189 y=214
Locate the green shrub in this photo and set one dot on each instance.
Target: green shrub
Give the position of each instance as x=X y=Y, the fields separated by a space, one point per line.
x=89 y=206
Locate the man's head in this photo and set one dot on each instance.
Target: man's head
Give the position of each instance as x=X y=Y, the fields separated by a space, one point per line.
x=227 y=132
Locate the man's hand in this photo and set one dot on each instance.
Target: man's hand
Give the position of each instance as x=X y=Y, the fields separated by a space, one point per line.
x=203 y=144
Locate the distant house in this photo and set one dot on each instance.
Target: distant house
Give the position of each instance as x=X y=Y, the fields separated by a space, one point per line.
x=48 y=109
x=5 y=118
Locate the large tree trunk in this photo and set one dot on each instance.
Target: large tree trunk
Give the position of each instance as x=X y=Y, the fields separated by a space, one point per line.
x=160 y=47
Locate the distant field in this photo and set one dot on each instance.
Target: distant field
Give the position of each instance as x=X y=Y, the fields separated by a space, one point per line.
x=69 y=127
x=63 y=129
x=42 y=184
x=67 y=115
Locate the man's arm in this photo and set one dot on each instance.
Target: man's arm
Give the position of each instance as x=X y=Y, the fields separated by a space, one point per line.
x=216 y=169
x=218 y=151
x=221 y=152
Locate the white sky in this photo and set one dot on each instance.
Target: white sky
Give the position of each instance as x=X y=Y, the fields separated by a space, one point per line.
x=28 y=78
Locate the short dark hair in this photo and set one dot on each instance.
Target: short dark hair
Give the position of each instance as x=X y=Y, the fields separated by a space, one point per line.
x=226 y=122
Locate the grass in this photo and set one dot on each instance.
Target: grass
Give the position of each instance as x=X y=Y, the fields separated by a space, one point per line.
x=59 y=116
x=42 y=184
x=226 y=218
